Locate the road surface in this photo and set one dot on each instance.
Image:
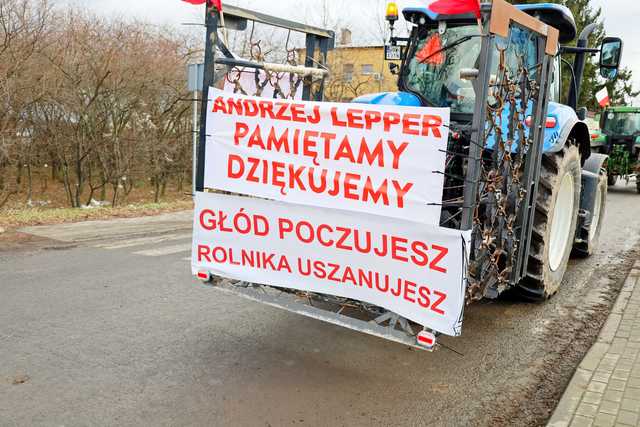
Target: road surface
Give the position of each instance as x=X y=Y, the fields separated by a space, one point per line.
x=102 y=324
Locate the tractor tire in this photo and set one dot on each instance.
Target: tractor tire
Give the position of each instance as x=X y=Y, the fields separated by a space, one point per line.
x=555 y=221
x=589 y=238
x=611 y=180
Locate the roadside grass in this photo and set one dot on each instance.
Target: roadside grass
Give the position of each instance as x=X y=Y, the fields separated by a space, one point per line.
x=21 y=217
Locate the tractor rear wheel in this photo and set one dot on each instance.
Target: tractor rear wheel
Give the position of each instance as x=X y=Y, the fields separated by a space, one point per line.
x=554 y=228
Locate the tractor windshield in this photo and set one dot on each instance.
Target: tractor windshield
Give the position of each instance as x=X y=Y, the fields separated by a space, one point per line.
x=621 y=123
x=435 y=59
x=433 y=66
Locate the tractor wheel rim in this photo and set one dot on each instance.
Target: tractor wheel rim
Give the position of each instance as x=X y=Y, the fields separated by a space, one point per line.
x=595 y=218
x=561 y=222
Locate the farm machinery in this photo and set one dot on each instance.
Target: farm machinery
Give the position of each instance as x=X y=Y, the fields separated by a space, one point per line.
x=520 y=171
x=620 y=130
x=520 y=176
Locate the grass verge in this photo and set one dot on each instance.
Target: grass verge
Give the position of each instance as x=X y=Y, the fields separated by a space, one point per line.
x=22 y=217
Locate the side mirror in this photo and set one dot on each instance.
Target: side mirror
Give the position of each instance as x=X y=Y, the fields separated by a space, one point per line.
x=610 y=56
x=582 y=113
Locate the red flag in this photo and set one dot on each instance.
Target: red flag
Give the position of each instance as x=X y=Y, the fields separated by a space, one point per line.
x=431 y=52
x=602 y=97
x=216 y=3
x=455 y=7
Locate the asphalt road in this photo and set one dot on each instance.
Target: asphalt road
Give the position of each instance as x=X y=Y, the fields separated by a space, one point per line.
x=109 y=328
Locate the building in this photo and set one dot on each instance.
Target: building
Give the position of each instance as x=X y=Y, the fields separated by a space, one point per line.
x=357 y=70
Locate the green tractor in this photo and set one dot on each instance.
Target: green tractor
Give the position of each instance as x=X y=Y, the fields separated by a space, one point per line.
x=620 y=127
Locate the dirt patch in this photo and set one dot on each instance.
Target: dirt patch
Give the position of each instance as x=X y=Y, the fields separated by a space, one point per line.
x=12 y=241
x=11 y=219
x=531 y=400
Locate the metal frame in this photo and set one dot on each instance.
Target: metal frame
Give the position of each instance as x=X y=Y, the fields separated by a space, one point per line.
x=315 y=38
x=503 y=16
x=275 y=297
x=533 y=165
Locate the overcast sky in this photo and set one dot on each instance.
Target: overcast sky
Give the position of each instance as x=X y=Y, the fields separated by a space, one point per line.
x=620 y=16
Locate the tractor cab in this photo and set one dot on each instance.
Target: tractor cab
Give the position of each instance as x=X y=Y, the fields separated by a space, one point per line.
x=556 y=15
x=440 y=58
x=443 y=49
x=621 y=130
x=441 y=55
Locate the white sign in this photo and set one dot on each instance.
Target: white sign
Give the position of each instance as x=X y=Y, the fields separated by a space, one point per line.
x=415 y=270
x=384 y=160
x=289 y=85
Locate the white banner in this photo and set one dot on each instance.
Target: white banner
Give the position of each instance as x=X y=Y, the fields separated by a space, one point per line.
x=384 y=160
x=246 y=79
x=415 y=270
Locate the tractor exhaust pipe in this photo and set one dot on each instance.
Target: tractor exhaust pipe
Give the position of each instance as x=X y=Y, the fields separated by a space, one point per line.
x=578 y=66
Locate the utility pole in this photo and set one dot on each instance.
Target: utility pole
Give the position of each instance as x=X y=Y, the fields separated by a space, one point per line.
x=195 y=74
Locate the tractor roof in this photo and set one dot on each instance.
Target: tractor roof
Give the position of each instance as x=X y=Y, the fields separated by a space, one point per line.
x=556 y=15
x=622 y=109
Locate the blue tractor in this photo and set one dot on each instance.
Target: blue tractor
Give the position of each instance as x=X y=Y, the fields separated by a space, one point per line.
x=519 y=172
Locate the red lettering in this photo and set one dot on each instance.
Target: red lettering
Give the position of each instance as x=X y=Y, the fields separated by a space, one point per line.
x=371 y=156
x=252 y=176
x=241 y=131
x=284 y=226
x=232 y=160
x=442 y=253
x=354 y=118
x=315 y=118
x=419 y=256
x=346 y=232
x=256 y=139
x=318 y=269
x=423 y=299
x=218 y=105
x=309 y=230
x=375 y=195
x=209 y=225
x=250 y=108
x=282 y=108
x=409 y=291
x=390 y=119
x=297 y=113
x=277 y=174
x=350 y=187
x=203 y=252
x=335 y=119
x=348 y=276
x=397 y=152
x=266 y=109
x=324 y=242
x=441 y=298
x=401 y=191
x=371 y=117
x=398 y=247
x=433 y=123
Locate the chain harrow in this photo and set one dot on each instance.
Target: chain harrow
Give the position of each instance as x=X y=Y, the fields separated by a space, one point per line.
x=500 y=189
x=263 y=78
